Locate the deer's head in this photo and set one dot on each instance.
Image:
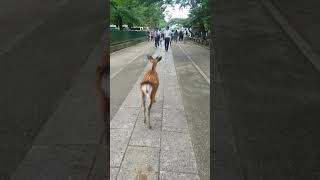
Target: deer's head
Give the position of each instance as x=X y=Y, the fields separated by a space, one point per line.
x=154 y=61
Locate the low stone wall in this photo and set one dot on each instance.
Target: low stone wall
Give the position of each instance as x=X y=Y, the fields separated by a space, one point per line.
x=117 y=47
x=200 y=41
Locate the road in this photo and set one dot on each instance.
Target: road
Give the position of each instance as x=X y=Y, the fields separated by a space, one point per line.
x=190 y=63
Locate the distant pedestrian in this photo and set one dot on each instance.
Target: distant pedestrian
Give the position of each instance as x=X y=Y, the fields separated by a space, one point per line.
x=172 y=36
x=167 y=38
x=148 y=35
x=176 y=35
x=184 y=35
x=151 y=35
x=180 y=35
x=157 y=37
x=161 y=39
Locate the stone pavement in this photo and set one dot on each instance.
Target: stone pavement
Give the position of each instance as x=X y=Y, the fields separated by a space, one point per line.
x=195 y=91
x=126 y=66
x=163 y=152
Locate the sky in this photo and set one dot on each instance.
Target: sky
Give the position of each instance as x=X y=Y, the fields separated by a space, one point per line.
x=175 y=12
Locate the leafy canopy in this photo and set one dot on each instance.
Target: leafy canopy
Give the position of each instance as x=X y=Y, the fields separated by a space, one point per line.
x=137 y=13
x=150 y=13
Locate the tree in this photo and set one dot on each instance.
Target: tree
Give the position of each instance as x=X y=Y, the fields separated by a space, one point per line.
x=137 y=12
x=126 y=11
x=199 y=14
x=154 y=16
x=180 y=22
x=150 y=13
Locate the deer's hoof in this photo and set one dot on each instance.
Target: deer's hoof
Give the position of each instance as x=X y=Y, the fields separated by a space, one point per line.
x=149 y=127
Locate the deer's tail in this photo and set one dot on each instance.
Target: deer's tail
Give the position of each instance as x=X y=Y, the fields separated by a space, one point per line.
x=146 y=88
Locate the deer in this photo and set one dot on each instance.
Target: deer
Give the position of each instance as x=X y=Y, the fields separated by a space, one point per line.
x=149 y=86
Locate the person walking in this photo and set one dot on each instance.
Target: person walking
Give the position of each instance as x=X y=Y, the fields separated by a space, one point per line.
x=152 y=35
x=148 y=35
x=161 y=38
x=167 y=37
x=176 y=35
x=157 y=37
x=184 y=35
x=180 y=35
x=171 y=37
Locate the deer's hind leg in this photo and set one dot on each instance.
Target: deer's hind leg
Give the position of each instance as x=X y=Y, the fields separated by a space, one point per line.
x=149 y=109
x=143 y=97
x=153 y=95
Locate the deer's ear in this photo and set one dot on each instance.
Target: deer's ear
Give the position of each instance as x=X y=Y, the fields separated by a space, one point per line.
x=159 y=58
x=149 y=57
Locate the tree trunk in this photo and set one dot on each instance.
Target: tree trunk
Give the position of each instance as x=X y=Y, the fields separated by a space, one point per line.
x=130 y=25
x=202 y=30
x=120 y=23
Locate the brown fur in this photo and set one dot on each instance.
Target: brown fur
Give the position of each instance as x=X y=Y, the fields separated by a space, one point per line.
x=151 y=77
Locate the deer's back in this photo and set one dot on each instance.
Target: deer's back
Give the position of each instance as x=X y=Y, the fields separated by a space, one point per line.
x=151 y=76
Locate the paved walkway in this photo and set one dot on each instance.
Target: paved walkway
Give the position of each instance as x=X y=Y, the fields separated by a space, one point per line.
x=132 y=53
x=165 y=151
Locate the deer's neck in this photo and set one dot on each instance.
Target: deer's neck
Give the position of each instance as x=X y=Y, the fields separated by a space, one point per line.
x=153 y=67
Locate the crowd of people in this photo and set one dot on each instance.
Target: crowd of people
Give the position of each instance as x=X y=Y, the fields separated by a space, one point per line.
x=167 y=35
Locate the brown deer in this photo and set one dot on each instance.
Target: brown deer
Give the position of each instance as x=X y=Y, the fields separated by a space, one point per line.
x=149 y=87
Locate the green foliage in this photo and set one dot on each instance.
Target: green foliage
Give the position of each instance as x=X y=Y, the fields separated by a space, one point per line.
x=180 y=22
x=151 y=13
x=154 y=16
x=137 y=13
x=199 y=14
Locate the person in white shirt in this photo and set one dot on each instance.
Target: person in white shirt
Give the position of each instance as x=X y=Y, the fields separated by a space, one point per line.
x=167 y=37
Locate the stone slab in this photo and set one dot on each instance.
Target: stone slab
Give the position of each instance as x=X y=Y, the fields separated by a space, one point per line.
x=119 y=139
x=174 y=120
x=177 y=153
x=143 y=136
x=172 y=99
x=166 y=175
x=125 y=118
x=140 y=163
x=113 y=173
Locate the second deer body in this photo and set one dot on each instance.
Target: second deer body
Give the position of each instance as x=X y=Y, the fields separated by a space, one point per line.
x=149 y=87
